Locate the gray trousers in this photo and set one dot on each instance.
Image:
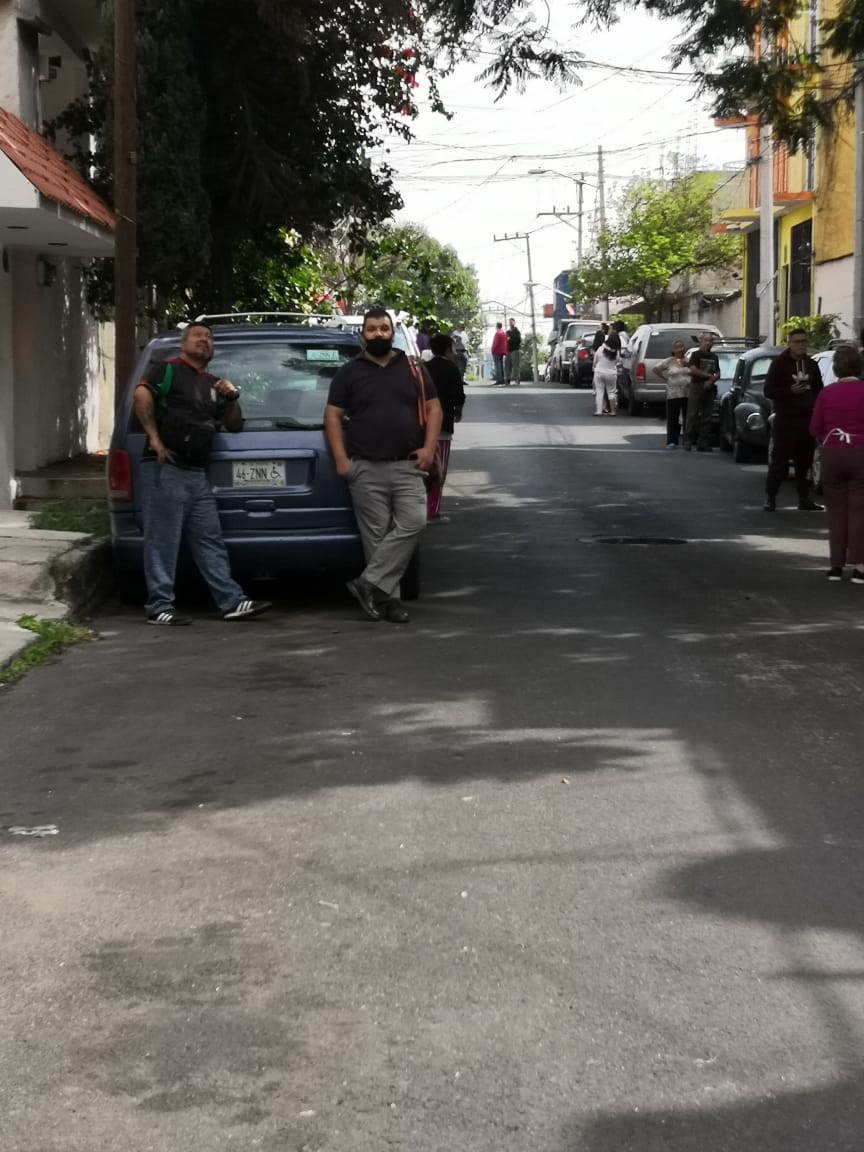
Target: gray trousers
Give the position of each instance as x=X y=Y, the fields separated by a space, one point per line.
x=178 y=504
x=513 y=366
x=389 y=499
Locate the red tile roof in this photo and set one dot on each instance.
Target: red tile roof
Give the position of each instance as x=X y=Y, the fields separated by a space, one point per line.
x=48 y=171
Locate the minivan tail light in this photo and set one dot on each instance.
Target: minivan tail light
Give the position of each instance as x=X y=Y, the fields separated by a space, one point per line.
x=119 y=475
x=640 y=371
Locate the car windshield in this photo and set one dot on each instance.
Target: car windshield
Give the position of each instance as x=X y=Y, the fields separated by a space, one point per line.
x=759 y=368
x=660 y=343
x=282 y=384
x=578 y=331
x=728 y=360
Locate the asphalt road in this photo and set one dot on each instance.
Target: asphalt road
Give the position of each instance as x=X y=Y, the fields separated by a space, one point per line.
x=573 y=863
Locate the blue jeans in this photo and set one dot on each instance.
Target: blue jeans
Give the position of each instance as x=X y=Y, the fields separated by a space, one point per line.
x=498 y=361
x=178 y=503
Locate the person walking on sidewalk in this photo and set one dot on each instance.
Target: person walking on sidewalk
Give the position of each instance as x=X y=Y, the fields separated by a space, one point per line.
x=499 y=352
x=793 y=382
x=704 y=374
x=838 y=424
x=513 y=363
x=451 y=395
x=383 y=451
x=181 y=406
x=675 y=374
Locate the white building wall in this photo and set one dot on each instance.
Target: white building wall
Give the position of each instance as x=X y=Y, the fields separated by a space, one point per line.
x=56 y=363
x=7 y=392
x=833 y=292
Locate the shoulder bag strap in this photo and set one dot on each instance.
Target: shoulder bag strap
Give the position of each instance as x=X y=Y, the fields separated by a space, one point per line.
x=416 y=371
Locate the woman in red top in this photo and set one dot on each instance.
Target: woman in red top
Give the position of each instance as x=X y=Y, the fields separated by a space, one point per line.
x=838 y=425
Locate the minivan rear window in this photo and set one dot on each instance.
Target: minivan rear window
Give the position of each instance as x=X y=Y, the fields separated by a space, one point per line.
x=660 y=343
x=281 y=384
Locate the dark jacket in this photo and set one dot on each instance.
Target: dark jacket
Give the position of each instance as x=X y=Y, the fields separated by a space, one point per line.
x=778 y=386
x=448 y=384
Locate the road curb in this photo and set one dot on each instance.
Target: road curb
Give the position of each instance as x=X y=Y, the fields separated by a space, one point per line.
x=84 y=576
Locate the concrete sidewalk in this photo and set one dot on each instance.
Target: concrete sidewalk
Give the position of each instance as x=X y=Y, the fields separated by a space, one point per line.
x=38 y=571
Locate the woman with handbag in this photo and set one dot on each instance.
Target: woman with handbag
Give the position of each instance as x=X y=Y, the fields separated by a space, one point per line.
x=451 y=393
x=838 y=425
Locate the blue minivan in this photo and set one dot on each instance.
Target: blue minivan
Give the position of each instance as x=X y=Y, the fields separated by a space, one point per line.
x=282 y=506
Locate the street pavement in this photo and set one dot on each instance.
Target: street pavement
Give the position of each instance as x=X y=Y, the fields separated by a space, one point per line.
x=573 y=863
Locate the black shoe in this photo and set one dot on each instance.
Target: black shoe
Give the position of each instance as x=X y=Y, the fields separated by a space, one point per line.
x=364 y=594
x=857 y=576
x=810 y=506
x=834 y=574
x=395 y=613
x=169 y=619
x=770 y=504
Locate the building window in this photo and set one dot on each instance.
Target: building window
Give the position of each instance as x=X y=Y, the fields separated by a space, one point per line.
x=810 y=166
x=800 y=269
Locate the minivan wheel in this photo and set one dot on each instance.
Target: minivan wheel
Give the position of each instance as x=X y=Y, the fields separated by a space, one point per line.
x=409 y=586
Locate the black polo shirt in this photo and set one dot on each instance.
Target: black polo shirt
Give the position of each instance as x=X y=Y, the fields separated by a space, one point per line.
x=381 y=406
x=187 y=411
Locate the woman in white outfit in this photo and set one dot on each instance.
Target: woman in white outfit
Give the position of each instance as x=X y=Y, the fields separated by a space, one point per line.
x=606 y=373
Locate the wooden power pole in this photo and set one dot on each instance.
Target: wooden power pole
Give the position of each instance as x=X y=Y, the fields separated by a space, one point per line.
x=125 y=196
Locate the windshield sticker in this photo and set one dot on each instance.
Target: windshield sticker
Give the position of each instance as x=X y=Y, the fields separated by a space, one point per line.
x=322 y=354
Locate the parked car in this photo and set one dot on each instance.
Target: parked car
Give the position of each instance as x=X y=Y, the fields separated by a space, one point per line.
x=282 y=506
x=564 y=348
x=581 y=368
x=650 y=344
x=825 y=360
x=745 y=410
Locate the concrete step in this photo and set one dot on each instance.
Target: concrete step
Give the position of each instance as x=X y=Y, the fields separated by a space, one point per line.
x=34 y=503
x=82 y=487
x=28 y=564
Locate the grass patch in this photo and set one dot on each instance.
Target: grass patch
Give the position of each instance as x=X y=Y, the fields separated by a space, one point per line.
x=90 y=516
x=54 y=636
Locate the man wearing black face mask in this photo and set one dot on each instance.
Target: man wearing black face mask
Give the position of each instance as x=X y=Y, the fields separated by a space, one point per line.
x=383 y=451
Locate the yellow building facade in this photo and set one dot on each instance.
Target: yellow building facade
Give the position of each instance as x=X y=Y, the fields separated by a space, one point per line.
x=814 y=207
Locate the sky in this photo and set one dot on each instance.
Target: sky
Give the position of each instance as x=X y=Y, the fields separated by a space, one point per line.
x=469 y=179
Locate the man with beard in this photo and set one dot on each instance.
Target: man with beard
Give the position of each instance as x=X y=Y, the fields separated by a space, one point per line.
x=383 y=451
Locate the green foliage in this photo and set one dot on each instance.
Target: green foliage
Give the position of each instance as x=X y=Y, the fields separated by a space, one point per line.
x=820 y=329
x=255 y=117
x=790 y=88
x=664 y=232
x=90 y=516
x=631 y=320
x=53 y=637
x=404 y=268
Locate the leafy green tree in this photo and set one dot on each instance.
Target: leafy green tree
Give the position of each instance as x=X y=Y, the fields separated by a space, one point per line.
x=664 y=232
x=255 y=117
x=404 y=268
x=787 y=85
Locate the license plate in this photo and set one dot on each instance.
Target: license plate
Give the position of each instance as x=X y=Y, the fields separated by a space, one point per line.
x=259 y=473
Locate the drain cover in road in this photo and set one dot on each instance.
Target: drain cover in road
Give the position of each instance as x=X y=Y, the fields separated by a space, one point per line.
x=636 y=540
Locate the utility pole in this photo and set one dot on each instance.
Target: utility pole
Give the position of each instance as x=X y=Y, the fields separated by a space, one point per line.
x=858 y=244
x=125 y=196
x=526 y=236
x=601 y=212
x=766 y=288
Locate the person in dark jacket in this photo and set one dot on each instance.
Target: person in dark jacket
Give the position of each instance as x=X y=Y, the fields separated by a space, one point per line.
x=792 y=384
x=513 y=362
x=448 y=384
